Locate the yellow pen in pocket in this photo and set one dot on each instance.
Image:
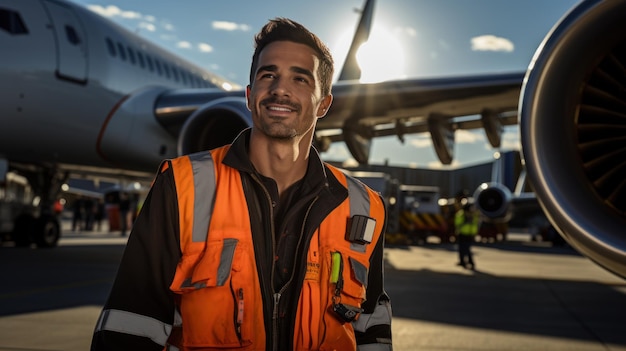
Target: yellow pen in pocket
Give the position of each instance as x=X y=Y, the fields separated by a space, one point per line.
x=335 y=268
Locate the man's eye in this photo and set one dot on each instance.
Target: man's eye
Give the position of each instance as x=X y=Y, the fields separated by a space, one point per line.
x=267 y=75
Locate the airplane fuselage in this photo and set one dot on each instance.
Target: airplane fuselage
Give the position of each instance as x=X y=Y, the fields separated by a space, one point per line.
x=65 y=74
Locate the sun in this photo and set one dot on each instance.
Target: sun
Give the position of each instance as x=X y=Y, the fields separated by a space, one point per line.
x=381 y=57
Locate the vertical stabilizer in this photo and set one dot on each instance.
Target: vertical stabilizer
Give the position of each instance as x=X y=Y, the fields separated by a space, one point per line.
x=351 y=69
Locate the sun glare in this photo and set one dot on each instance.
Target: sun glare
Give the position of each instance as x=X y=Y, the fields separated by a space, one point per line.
x=381 y=57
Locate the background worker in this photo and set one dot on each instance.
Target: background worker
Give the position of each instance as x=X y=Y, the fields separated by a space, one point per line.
x=293 y=257
x=466 y=223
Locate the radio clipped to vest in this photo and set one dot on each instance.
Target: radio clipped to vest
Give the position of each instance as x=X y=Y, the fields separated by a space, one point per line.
x=346 y=313
x=360 y=229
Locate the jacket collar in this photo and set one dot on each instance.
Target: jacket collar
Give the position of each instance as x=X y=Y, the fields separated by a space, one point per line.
x=317 y=176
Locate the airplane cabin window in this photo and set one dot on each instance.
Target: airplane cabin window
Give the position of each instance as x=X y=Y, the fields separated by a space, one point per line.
x=71 y=35
x=149 y=62
x=140 y=59
x=111 y=47
x=157 y=64
x=131 y=55
x=166 y=69
x=120 y=48
x=11 y=22
x=175 y=73
x=183 y=76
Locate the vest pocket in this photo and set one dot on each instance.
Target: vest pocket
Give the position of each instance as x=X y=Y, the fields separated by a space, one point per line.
x=214 y=311
x=347 y=293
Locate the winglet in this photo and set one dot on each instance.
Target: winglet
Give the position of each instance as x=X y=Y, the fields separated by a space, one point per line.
x=351 y=69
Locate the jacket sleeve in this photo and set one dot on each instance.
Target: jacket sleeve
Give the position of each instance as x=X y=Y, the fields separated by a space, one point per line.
x=139 y=312
x=373 y=328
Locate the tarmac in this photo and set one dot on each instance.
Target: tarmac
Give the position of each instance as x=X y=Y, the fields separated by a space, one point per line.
x=523 y=295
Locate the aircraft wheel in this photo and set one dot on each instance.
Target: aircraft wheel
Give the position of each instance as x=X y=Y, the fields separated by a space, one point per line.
x=48 y=232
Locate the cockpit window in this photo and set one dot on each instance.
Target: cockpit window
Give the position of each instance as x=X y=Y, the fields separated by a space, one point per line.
x=71 y=34
x=12 y=22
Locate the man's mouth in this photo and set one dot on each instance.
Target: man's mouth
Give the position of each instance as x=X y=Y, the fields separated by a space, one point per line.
x=279 y=109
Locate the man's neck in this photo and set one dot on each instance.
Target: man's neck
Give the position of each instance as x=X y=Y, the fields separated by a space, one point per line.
x=285 y=162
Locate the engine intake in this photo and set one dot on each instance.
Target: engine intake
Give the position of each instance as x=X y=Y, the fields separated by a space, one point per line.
x=573 y=130
x=493 y=200
x=214 y=124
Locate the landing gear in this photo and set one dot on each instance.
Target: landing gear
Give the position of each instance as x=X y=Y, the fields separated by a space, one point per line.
x=27 y=204
x=45 y=231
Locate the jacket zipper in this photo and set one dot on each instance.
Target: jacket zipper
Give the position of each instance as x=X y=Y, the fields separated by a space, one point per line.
x=278 y=295
x=275 y=295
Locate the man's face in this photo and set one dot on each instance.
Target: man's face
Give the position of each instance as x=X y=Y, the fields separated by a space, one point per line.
x=285 y=96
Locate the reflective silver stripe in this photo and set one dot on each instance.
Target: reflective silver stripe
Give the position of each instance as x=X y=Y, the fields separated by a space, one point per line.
x=204 y=194
x=359 y=205
x=226 y=260
x=381 y=316
x=134 y=324
x=359 y=198
x=223 y=270
x=375 y=347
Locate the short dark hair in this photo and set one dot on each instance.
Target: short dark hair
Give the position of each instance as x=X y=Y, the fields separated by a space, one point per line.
x=284 y=29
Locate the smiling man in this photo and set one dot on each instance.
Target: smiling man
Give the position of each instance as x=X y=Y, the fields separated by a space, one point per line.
x=257 y=245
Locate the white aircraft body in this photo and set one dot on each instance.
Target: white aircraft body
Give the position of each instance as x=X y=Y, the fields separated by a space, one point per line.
x=81 y=95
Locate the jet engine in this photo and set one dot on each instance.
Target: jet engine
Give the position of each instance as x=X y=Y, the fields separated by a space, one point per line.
x=493 y=200
x=214 y=124
x=573 y=130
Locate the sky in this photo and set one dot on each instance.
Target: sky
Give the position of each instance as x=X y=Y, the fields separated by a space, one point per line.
x=409 y=39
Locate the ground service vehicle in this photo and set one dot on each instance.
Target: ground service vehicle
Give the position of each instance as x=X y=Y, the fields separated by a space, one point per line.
x=23 y=219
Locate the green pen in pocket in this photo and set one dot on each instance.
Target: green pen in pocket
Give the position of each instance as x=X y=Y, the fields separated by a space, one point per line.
x=335 y=269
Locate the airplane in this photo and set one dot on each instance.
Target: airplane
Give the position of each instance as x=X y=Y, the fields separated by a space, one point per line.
x=513 y=204
x=95 y=98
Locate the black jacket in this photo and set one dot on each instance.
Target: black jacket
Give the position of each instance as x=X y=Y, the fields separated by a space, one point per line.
x=152 y=253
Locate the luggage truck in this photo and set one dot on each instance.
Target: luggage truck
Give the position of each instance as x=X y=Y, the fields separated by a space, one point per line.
x=421 y=216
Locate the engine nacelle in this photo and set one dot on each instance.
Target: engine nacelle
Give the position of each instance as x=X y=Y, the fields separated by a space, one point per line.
x=493 y=200
x=214 y=124
x=572 y=130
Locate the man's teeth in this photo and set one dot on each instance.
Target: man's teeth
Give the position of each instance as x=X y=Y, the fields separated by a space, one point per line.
x=274 y=108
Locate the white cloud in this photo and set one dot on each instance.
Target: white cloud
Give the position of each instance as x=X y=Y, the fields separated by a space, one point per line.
x=469 y=136
x=491 y=43
x=420 y=141
x=438 y=165
x=147 y=26
x=114 y=11
x=230 y=26
x=510 y=140
x=184 y=44
x=203 y=47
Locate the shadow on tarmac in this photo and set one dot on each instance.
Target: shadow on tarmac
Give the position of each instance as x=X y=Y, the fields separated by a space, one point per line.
x=81 y=275
x=62 y=277
x=577 y=310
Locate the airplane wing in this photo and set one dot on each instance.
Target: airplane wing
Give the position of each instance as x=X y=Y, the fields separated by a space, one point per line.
x=441 y=106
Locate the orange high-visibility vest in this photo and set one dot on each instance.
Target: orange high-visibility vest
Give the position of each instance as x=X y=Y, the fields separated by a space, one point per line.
x=216 y=281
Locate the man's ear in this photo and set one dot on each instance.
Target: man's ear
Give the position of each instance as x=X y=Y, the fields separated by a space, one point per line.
x=324 y=106
x=248 y=97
